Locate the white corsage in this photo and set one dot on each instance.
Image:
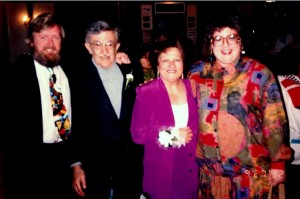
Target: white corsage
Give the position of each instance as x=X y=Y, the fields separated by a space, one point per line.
x=170 y=138
x=129 y=78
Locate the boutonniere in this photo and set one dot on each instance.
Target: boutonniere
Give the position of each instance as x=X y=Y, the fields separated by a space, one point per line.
x=129 y=78
x=170 y=137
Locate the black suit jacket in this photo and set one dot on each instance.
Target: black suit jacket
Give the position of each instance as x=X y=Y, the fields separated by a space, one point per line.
x=24 y=103
x=96 y=125
x=102 y=141
x=24 y=106
x=26 y=157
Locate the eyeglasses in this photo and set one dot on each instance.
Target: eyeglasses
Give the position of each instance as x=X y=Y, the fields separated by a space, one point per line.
x=109 y=45
x=231 y=39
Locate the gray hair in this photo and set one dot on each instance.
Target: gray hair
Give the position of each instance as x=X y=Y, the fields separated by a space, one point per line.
x=99 y=27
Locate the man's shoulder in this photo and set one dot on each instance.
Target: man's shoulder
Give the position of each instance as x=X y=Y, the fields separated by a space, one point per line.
x=134 y=70
x=22 y=65
x=23 y=59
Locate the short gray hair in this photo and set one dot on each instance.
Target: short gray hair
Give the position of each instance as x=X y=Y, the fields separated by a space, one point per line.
x=99 y=27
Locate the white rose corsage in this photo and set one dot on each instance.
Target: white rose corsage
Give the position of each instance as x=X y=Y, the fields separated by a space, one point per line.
x=129 y=78
x=170 y=137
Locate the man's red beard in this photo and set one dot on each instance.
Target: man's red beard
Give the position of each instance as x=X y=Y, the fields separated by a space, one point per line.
x=48 y=59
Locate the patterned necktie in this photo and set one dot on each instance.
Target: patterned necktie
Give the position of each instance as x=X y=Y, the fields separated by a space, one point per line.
x=60 y=114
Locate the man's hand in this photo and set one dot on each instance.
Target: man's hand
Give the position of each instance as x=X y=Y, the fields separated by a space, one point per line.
x=79 y=183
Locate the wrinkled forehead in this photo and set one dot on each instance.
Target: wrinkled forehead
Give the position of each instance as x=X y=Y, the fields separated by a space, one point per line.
x=102 y=36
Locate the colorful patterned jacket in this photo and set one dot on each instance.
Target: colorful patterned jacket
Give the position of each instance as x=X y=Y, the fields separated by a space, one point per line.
x=242 y=122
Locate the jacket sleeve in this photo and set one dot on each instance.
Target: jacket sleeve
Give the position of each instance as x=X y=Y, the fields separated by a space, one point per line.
x=274 y=125
x=140 y=123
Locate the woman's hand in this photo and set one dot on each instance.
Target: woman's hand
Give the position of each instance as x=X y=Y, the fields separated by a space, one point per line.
x=276 y=176
x=122 y=58
x=185 y=134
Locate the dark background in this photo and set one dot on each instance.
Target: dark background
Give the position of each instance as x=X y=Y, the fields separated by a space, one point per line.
x=262 y=23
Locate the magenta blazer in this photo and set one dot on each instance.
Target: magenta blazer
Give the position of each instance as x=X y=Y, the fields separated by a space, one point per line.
x=169 y=173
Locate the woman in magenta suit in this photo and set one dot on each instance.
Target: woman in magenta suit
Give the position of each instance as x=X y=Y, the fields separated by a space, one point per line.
x=165 y=121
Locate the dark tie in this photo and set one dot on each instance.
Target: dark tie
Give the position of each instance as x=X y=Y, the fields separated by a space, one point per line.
x=60 y=114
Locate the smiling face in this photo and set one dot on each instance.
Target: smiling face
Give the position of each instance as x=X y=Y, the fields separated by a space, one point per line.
x=103 y=47
x=47 y=45
x=170 y=64
x=228 y=50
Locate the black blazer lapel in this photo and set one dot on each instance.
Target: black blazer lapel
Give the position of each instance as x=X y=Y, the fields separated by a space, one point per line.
x=97 y=91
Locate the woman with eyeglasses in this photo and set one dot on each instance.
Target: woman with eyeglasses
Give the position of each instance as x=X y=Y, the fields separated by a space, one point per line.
x=241 y=151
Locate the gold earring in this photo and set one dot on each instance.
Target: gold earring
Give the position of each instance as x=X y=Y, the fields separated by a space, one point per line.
x=157 y=74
